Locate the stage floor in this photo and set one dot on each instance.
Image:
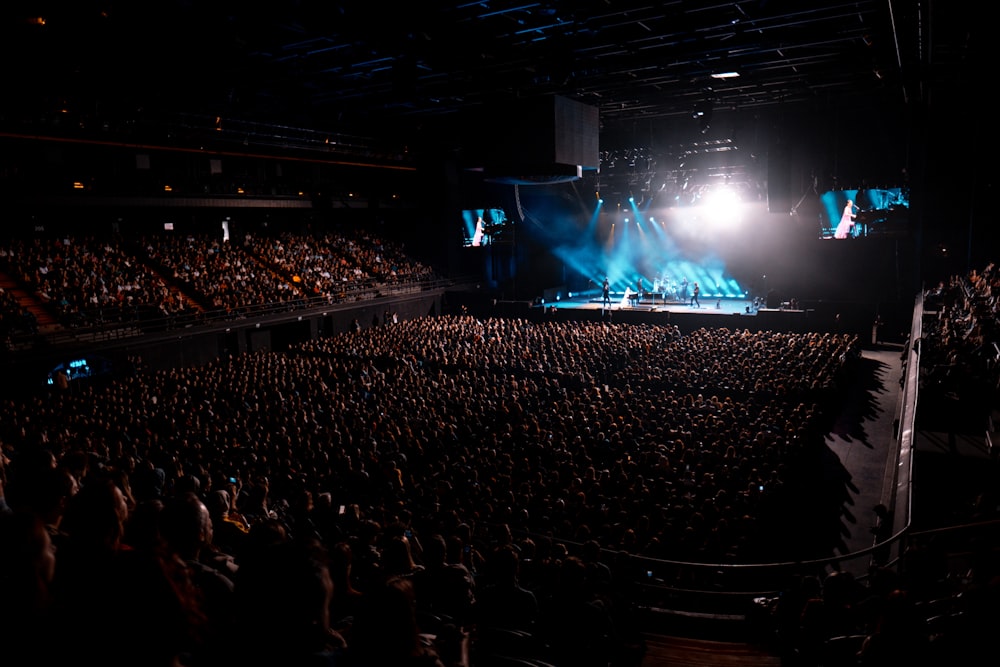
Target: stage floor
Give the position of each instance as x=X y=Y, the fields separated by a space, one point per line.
x=709 y=305
x=735 y=313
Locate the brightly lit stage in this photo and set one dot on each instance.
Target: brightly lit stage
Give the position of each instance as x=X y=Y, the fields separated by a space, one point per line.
x=563 y=257
x=651 y=303
x=732 y=313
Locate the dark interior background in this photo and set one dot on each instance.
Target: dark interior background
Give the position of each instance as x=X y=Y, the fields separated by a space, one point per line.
x=306 y=114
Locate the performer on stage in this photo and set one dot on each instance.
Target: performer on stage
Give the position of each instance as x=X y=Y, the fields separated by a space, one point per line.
x=694 y=295
x=846 y=221
x=606 y=293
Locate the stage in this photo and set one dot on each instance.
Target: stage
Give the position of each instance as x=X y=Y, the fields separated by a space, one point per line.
x=714 y=312
x=654 y=303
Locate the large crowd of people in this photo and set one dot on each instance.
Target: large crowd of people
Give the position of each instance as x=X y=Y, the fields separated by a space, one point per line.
x=439 y=491
x=224 y=275
x=329 y=263
x=87 y=281
x=92 y=282
x=496 y=440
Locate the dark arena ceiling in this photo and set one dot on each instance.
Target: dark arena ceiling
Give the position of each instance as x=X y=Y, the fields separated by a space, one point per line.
x=367 y=73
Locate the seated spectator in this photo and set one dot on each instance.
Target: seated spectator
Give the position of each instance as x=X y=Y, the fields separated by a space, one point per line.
x=444 y=590
x=504 y=603
x=150 y=615
x=229 y=529
x=577 y=626
x=188 y=533
x=385 y=630
x=346 y=599
x=283 y=614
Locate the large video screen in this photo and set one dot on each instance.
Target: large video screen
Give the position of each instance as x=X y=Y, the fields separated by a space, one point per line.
x=484 y=226
x=852 y=214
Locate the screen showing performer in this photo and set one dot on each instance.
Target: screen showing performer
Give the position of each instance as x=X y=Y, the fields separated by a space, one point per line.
x=483 y=226
x=845 y=227
x=855 y=214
